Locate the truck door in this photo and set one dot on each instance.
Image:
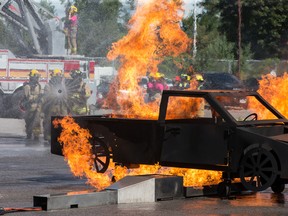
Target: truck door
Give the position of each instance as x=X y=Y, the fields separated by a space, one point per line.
x=194 y=136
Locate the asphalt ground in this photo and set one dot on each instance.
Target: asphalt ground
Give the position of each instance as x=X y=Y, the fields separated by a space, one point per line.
x=28 y=169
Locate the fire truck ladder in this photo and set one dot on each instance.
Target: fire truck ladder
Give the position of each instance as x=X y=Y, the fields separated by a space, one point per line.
x=23 y=14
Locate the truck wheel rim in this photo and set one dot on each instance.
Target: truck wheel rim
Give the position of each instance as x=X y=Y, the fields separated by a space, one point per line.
x=258 y=169
x=101 y=155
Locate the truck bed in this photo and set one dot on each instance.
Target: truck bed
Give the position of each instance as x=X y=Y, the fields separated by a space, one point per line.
x=132 y=140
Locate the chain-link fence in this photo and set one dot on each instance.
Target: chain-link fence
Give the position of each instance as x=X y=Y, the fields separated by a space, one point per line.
x=250 y=68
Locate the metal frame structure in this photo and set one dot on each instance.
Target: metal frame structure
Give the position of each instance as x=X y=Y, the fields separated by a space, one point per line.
x=23 y=14
x=254 y=150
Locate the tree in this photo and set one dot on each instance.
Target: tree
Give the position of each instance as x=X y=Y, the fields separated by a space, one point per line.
x=3 y=36
x=48 y=5
x=264 y=24
x=11 y=37
x=211 y=45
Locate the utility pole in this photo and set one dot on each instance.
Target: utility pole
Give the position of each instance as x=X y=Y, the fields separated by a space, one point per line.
x=239 y=38
x=194 y=31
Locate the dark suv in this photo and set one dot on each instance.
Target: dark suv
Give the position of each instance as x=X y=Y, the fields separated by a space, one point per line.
x=222 y=81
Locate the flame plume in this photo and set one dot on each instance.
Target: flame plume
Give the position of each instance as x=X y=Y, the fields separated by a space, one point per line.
x=155 y=32
x=191 y=177
x=274 y=90
x=77 y=152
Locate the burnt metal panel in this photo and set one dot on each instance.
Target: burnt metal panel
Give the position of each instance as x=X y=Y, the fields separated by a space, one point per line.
x=56 y=148
x=194 y=144
x=132 y=141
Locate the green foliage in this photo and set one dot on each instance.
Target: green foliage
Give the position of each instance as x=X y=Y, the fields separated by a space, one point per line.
x=172 y=66
x=48 y=5
x=3 y=38
x=211 y=45
x=100 y=24
x=246 y=70
x=263 y=30
x=168 y=67
x=95 y=38
x=9 y=38
x=268 y=65
x=264 y=24
x=218 y=49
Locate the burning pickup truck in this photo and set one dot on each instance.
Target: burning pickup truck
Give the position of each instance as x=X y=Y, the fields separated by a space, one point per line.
x=235 y=132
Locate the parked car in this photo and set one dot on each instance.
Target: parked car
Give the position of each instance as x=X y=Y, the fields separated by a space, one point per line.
x=251 y=84
x=222 y=81
x=225 y=81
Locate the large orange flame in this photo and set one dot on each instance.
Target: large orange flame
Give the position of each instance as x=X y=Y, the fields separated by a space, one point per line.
x=155 y=32
x=275 y=91
x=77 y=152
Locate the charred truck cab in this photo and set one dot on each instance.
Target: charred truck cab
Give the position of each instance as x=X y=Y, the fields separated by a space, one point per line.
x=210 y=129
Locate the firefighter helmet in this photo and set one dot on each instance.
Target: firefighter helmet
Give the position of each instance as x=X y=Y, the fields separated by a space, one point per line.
x=185 y=77
x=56 y=72
x=159 y=75
x=34 y=73
x=199 y=77
x=177 y=78
x=76 y=73
x=73 y=9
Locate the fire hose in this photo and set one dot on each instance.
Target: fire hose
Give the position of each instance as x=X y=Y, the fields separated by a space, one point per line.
x=11 y=210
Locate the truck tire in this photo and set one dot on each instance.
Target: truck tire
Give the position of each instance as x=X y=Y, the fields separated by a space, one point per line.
x=16 y=110
x=278 y=188
x=255 y=175
x=101 y=155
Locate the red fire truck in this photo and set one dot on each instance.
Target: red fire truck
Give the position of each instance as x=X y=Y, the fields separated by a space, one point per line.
x=14 y=72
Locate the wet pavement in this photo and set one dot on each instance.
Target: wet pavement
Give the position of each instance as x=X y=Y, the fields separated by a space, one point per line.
x=28 y=169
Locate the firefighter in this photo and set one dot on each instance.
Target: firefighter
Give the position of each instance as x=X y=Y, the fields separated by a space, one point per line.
x=66 y=29
x=32 y=104
x=156 y=85
x=176 y=83
x=72 y=29
x=160 y=83
x=78 y=93
x=151 y=88
x=55 y=100
x=200 y=81
x=184 y=81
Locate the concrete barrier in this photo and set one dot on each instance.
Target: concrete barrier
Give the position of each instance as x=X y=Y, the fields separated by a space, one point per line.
x=12 y=127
